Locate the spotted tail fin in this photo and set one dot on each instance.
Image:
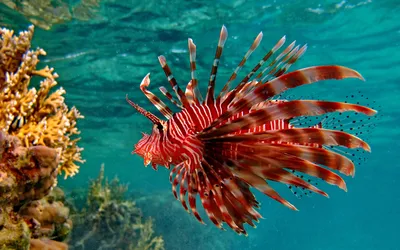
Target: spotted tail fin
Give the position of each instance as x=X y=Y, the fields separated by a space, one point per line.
x=283 y=83
x=281 y=111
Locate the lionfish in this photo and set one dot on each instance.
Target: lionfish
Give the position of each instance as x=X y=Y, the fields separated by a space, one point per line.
x=223 y=145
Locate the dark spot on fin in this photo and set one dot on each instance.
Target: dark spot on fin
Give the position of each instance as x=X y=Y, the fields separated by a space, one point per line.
x=301 y=192
x=350 y=122
x=357 y=156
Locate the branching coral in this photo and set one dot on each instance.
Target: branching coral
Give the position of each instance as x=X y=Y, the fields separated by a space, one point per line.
x=37 y=117
x=36 y=143
x=108 y=221
x=46 y=13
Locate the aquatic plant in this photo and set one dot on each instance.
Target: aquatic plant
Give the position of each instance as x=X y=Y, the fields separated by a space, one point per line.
x=110 y=221
x=161 y=206
x=36 y=116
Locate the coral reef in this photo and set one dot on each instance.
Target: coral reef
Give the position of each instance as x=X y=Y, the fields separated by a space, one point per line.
x=109 y=221
x=47 y=244
x=37 y=131
x=27 y=174
x=37 y=117
x=14 y=233
x=46 y=13
x=49 y=218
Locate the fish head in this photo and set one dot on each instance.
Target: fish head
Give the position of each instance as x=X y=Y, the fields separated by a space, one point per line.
x=148 y=146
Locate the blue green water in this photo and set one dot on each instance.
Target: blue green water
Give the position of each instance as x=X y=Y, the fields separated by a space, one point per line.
x=101 y=60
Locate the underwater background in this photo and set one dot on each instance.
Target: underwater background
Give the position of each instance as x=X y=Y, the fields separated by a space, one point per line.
x=104 y=54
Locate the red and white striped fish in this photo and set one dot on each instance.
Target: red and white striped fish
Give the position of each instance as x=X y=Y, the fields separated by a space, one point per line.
x=221 y=146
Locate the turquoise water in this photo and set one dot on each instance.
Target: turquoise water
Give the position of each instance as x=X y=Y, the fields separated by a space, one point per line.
x=101 y=60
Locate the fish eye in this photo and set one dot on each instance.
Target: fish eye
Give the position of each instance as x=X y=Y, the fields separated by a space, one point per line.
x=159 y=126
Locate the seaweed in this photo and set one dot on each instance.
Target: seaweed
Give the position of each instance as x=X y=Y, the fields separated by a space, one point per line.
x=109 y=220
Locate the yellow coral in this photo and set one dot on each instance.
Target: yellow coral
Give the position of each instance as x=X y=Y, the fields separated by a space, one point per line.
x=36 y=117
